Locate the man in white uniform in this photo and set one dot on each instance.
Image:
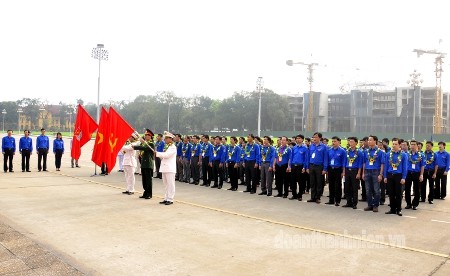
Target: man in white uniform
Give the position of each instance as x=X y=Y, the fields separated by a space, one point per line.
x=129 y=165
x=168 y=167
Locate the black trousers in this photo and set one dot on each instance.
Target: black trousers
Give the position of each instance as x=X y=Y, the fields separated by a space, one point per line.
x=158 y=165
x=58 y=156
x=206 y=170
x=307 y=181
x=104 y=169
x=351 y=186
x=217 y=173
x=427 y=177
x=297 y=177
x=395 y=191
x=250 y=175
x=147 y=174
x=316 y=178
x=335 y=184
x=412 y=180
x=363 y=190
x=233 y=174
x=8 y=160
x=195 y=169
x=42 y=159
x=282 y=180
x=241 y=172
x=25 y=159
x=440 y=190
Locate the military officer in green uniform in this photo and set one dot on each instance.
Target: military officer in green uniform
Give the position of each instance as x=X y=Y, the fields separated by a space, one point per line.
x=147 y=149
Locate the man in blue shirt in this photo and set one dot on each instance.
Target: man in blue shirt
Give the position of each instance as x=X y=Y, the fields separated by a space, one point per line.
x=205 y=156
x=336 y=159
x=178 y=143
x=195 y=157
x=317 y=167
x=42 y=147
x=251 y=157
x=416 y=166
x=8 y=150
x=233 y=159
x=352 y=173
x=186 y=149
x=159 y=145
x=443 y=163
x=395 y=172
x=281 y=167
x=26 y=149
x=373 y=167
x=265 y=164
x=299 y=158
x=217 y=161
x=429 y=173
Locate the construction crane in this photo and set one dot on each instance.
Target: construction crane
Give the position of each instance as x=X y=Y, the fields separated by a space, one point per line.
x=438 y=102
x=309 y=122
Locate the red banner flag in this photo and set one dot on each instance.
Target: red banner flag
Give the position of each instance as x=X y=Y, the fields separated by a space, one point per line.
x=98 y=155
x=119 y=132
x=82 y=131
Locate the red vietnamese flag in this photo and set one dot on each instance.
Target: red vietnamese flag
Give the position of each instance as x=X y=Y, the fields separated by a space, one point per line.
x=98 y=155
x=119 y=132
x=83 y=129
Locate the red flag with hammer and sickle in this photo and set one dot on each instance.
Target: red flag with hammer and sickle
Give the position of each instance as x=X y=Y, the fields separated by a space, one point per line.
x=82 y=132
x=99 y=153
x=119 y=132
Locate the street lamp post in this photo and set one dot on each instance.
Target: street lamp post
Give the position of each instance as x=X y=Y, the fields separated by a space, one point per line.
x=259 y=87
x=415 y=82
x=101 y=54
x=19 y=111
x=168 y=118
x=4 y=113
x=70 y=120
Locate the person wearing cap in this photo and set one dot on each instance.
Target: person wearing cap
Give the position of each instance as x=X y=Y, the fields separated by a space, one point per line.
x=8 y=151
x=129 y=165
x=168 y=167
x=147 y=149
x=42 y=147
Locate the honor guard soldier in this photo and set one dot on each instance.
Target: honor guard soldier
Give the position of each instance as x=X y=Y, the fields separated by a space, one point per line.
x=281 y=166
x=336 y=157
x=233 y=158
x=373 y=167
x=42 y=147
x=195 y=159
x=266 y=166
x=205 y=160
x=8 y=150
x=168 y=168
x=299 y=158
x=429 y=173
x=414 y=178
x=352 y=172
x=251 y=159
x=395 y=172
x=147 y=149
x=58 y=150
x=129 y=166
x=159 y=148
x=217 y=161
x=317 y=166
x=186 y=149
x=443 y=163
x=26 y=149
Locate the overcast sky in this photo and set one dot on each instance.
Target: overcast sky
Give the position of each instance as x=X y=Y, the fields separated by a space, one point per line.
x=211 y=47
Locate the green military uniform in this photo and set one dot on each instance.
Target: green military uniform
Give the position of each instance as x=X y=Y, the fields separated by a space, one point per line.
x=146 y=167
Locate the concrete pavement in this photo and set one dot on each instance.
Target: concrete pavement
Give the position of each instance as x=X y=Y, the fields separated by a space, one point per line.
x=92 y=228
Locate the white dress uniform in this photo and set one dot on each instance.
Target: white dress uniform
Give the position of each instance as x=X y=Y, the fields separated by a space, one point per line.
x=129 y=166
x=168 y=170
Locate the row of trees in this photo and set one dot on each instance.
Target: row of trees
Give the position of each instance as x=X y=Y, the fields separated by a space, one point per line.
x=196 y=114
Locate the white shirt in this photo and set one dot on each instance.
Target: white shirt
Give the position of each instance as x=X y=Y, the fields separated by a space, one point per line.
x=129 y=156
x=168 y=160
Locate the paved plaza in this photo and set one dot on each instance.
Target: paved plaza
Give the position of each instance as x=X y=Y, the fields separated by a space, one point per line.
x=69 y=223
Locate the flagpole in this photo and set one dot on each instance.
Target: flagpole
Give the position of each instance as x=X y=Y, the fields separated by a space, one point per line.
x=101 y=54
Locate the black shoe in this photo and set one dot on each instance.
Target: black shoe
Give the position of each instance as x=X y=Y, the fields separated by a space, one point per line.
x=390 y=212
x=163 y=202
x=196 y=183
x=354 y=207
x=193 y=182
x=126 y=192
x=329 y=203
x=28 y=171
x=13 y=171
x=230 y=189
x=443 y=198
x=130 y=193
x=408 y=207
x=399 y=213
x=269 y=194
x=247 y=191
x=299 y=199
x=234 y=189
x=336 y=204
x=252 y=192
x=279 y=195
x=214 y=186
x=311 y=200
x=47 y=171
x=347 y=205
x=285 y=196
x=23 y=170
x=262 y=193
x=168 y=203
x=204 y=184
x=430 y=202
x=414 y=208
x=292 y=198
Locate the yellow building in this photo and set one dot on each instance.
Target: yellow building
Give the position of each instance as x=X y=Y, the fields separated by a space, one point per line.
x=49 y=118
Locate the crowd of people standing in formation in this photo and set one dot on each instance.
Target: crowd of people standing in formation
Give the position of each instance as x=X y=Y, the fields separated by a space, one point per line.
x=9 y=149
x=302 y=166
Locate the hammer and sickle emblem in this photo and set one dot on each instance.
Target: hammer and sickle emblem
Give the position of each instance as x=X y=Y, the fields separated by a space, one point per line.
x=111 y=144
x=100 y=139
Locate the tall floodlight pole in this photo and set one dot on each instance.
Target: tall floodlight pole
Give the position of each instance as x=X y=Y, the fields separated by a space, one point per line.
x=69 y=113
x=415 y=82
x=19 y=110
x=4 y=113
x=101 y=54
x=259 y=88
